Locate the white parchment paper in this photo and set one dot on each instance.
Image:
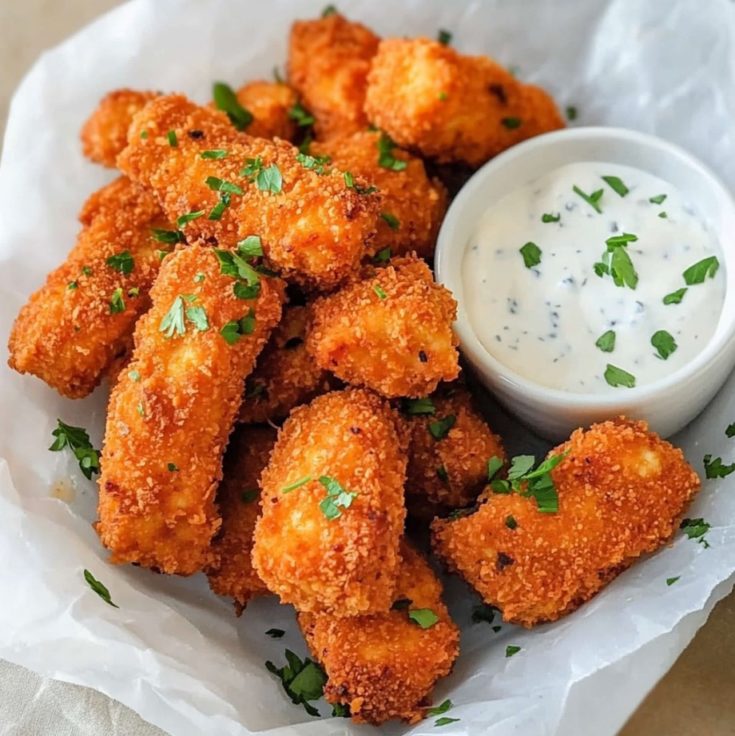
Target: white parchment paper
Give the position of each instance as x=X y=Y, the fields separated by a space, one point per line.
x=172 y=651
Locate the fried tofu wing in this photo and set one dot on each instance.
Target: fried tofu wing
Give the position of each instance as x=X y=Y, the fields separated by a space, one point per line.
x=451 y=107
x=448 y=454
x=390 y=331
x=384 y=666
x=622 y=491
x=314 y=227
x=171 y=412
x=413 y=204
x=333 y=511
x=286 y=374
x=238 y=499
x=329 y=59
x=81 y=320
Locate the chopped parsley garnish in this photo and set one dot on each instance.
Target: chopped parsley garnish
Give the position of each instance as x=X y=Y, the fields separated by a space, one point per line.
x=658 y=199
x=662 y=215
x=253 y=166
x=511 y=123
x=99 y=588
x=696 y=529
x=664 y=343
x=172 y=467
x=593 y=200
x=548 y=217
x=86 y=271
x=531 y=255
x=378 y=289
x=174 y=322
x=338 y=498
x=219 y=209
x=187 y=218
x=269 y=179
x=616 y=184
x=445 y=721
x=424 y=617
x=730 y=430
x=275 y=633
x=122 y=262
x=418 y=406
x=220 y=185
x=676 y=296
x=72 y=285
x=134 y=291
x=199 y=278
x=172 y=139
x=277 y=77
x=302 y=680
x=226 y=100
x=382 y=256
x=140 y=409
x=606 y=341
x=117 y=303
x=617 y=377
x=301 y=116
x=296 y=484
x=391 y=220
x=305 y=144
x=329 y=10
x=250 y=247
x=233 y=330
x=697 y=273
x=444 y=37
x=214 y=154
x=134 y=376
x=439 y=710
x=441 y=473
x=144 y=135
x=443 y=96
x=537 y=484
x=716 y=468
x=350 y=182
x=571 y=112
x=245 y=291
x=511 y=649
x=616 y=261
x=439 y=429
x=510 y=522
x=671 y=581
x=77 y=440
x=494 y=464
x=314 y=163
x=170 y=237
x=198 y=317
x=483 y=613
x=386 y=159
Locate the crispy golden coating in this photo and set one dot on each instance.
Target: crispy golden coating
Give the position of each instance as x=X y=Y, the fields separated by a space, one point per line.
x=314 y=228
x=238 y=498
x=390 y=331
x=413 y=204
x=105 y=133
x=72 y=329
x=269 y=103
x=449 y=472
x=622 y=491
x=451 y=107
x=285 y=374
x=335 y=554
x=384 y=665
x=328 y=63
x=171 y=412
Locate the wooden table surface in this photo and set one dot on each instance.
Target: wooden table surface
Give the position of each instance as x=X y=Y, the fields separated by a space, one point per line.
x=696 y=698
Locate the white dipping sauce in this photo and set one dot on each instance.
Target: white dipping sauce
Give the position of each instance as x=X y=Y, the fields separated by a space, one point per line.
x=543 y=321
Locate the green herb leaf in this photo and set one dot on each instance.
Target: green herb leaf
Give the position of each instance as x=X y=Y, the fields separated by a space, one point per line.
x=483 y=614
x=329 y=10
x=378 y=289
x=602 y=269
x=531 y=255
x=172 y=140
x=77 y=440
x=219 y=209
x=444 y=721
x=337 y=498
x=663 y=215
x=606 y=341
x=511 y=123
x=214 y=154
x=144 y=135
x=444 y=37
x=441 y=473
x=99 y=588
x=169 y=237
x=270 y=179
x=424 y=617
x=185 y=219
x=494 y=464
x=172 y=467
x=250 y=247
x=618 y=377
x=696 y=529
x=671 y=581
x=134 y=376
x=676 y=296
x=86 y=271
x=511 y=522
x=697 y=273
x=511 y=649
x=350 y=182
x=500 y=486
x=440 y=428
x=275 y=633
x=302 y=680
x=439 y=710
x=414 y=407
x=382 y=256
x=616 y=184
x=391 y=220
x=621 y=267
x=658 y=199
x=520 y=465
x=117 y=303
x=593 y=200
x=296 y=484
x=730 y=431
x=226 y=100
x=386 y=159
x=548 y=217
x=122 y=262
x=318 y=164
x=219 y=185
x=245 y=291
x=173 y=321
x=443 y=96
x=571 y=112
x=716 y=468
x=301 y=116
x=72 y=285
x=664 y=343
x=198 y=317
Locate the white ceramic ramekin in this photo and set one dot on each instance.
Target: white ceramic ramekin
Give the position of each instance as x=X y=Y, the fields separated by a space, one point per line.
x=668 y=404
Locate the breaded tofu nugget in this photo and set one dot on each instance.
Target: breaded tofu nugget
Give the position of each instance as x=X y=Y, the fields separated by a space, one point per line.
x=385 y=665
x=285 y=374
x=270 y=104
x=332 y=499
x=390 y=331
x=328 y=62
x=450 y=446
x=413 y=204
x=74 y=327
x=450 y=107
x=172 y=410
x=105 y=133
x=238 y=499
x=222 y=186
x=621 y=492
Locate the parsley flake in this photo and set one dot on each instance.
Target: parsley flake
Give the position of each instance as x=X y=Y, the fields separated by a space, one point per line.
x=571 y=112
x=233 y=330
x=664 y=343
x=300 y=115
x=122 y=262
x=134 y=376
x=414 y=407
x=671 y=581
x=511 y=123
x=77 y=440
x=99 y=588
x=314 y=163
x=269 y=179
x=172 y=139
x=606 y=341
x=439 y=710
x=696 y=529
x=189 y=217
x=72 y=285
x=531 y=255
x=548 y=217
x=716 y=468
x=441 y=427
x=382 y=256
x=296 y=484
x=302 y=680
x=329 y=10
x=444 y=37
x=699 y=272
x=117 y=303
x=423 y=617
x=378 y=289
x=658 y=199
x=730 y=430
x=494 y=464
x=511 y=649
x=675 y=297
x=219 y=185
x=86 y=271
x=617 y=377
x=275 y=633
x=337 y=498
x=173 y=321
x=386 y=159
x=616 y=184
x=391 y=220
x=226 y=100
x=444 y=721
x=593 y=200
x=169 y=237
x=483 y=613
x=350 y=182
x=172 y=467
x=214 y=154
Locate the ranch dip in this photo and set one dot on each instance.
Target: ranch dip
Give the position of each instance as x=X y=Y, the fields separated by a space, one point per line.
x=593 y=278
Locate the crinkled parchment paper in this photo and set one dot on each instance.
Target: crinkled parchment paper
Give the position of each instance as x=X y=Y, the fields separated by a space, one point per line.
x=174 y=652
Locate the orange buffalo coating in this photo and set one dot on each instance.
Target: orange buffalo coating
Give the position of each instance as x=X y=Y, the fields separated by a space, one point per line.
x=328 y=63
x=413 y=204
x=385 y=665
x=622 y=491
x=285 y=374
x=172 y=410
x=314 y=227
x=72 y=330
x=451 y=107
x=448 y=471
x=341 y=557
x=238 y=499
x=390 y=331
